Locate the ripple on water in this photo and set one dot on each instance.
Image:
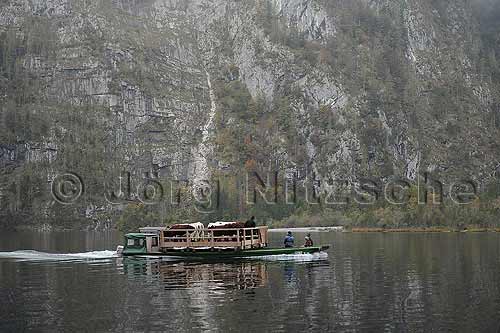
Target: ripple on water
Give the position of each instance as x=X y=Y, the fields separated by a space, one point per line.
x=368 y=283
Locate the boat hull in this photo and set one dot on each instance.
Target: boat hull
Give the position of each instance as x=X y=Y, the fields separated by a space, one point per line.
x=221 y=253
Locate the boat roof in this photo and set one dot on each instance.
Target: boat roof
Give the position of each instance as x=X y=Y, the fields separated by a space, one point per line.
x=138 y=235
x=146 y=229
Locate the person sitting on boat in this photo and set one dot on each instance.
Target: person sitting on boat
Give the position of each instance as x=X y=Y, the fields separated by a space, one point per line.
x=250 y=223
x=289 y=240
x=308 y=241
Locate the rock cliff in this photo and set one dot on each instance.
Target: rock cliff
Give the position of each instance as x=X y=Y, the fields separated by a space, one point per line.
x=195 y=89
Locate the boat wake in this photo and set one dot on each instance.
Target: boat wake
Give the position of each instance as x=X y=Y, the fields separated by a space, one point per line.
x=31 y=255
x=305 y=257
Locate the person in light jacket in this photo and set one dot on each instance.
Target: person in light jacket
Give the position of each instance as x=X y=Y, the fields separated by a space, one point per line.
x=308 y=241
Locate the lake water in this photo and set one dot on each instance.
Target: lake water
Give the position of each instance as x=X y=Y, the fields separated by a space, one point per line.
x=368 y=282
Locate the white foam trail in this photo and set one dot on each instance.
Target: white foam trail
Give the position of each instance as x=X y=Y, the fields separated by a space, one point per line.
x=31 y=255
x=305 y=257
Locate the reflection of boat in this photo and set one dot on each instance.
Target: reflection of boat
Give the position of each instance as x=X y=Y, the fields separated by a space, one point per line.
x=229 y=240
x=229 y=275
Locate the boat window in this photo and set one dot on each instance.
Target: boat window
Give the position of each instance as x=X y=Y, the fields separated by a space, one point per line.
x=135 y=242
x=154 y=241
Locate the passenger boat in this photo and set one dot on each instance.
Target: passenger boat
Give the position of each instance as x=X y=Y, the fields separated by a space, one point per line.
x=219 y=240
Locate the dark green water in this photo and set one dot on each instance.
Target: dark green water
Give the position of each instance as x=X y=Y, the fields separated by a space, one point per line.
x=368 y=282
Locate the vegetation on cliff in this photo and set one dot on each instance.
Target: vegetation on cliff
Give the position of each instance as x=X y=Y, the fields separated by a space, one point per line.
x=328 y=91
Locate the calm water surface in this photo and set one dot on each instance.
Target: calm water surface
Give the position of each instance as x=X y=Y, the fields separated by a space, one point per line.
x=368 y=282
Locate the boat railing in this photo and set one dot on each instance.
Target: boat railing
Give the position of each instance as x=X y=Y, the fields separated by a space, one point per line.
x=242 y=238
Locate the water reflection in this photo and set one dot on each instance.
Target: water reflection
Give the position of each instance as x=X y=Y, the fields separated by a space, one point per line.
x=239 y=275
x=412 y=283
x=289 y=269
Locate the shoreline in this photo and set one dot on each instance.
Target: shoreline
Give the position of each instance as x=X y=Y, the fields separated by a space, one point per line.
x=423 y=230
x=387 y=230
x=308 y=229
x=318 y=229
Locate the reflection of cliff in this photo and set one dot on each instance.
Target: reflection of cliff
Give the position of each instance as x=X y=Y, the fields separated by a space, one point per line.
x=234 y=275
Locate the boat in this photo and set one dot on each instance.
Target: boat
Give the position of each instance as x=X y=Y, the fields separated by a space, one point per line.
x=218 y=240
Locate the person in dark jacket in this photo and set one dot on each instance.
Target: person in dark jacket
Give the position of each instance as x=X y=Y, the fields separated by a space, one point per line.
x=250 y=223
x=289 y=240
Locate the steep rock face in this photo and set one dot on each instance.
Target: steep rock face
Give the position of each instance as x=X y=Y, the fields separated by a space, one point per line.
x=193 y=89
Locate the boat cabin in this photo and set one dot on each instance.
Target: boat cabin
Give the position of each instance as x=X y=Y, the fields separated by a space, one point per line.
x=142 y=243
